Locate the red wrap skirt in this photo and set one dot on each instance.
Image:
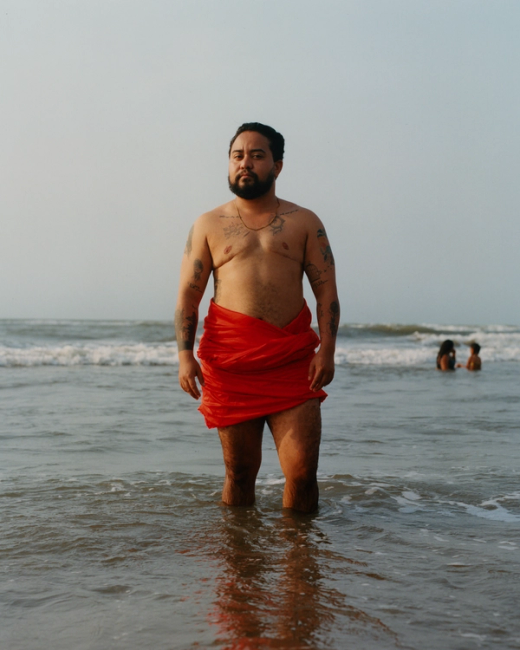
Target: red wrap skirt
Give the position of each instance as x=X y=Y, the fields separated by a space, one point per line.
x=252 y=368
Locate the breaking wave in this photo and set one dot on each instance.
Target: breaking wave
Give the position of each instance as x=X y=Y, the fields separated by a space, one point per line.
x=28 y=343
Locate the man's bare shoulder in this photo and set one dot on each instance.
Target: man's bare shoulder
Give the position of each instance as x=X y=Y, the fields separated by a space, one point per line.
x=306 y=217
x=209 y=220
x=227 y=209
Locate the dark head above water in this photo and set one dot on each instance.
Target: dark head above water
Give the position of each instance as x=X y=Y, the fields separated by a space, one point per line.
x=446 y=347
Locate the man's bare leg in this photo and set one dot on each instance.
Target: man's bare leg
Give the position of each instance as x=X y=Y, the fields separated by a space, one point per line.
x=297 y=435
x=242 y=449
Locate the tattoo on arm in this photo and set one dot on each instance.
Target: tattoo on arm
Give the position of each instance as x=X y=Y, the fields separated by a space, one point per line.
x=334 y=318
x=189 y=241
x=198 y=267
x=314 y=275
x=185 y=329
x=325 y=248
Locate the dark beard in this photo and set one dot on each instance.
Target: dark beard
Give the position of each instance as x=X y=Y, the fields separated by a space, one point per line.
x=254 y=189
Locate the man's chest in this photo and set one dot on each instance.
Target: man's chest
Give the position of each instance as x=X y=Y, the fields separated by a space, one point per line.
x=234 y=240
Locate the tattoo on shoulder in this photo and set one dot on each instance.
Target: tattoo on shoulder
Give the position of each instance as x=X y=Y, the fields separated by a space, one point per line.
x=189 y=241
x=325 y=248
x=198 y=267
x=277 y=224
x=289 y=212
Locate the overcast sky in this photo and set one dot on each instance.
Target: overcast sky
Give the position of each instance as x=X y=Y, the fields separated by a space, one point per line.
x=402 y=127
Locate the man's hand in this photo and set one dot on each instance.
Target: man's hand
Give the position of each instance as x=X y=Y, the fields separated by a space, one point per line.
x=321 y=369
x=189 y=371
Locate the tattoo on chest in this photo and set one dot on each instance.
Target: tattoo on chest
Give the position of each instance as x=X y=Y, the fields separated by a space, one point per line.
x=235 y=230
x=288 y=212
x=276 y=225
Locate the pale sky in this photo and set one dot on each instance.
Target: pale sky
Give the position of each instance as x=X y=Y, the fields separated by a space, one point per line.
x=402 y=128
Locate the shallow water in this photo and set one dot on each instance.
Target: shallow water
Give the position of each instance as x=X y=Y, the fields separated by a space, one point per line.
x=114 y=535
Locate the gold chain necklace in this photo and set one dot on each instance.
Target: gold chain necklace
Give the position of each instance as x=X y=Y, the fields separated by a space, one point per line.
x=262 y=227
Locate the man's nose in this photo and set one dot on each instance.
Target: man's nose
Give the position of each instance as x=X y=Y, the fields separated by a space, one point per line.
x=246 y=162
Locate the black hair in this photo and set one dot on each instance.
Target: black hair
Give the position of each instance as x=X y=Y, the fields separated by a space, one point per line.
x=276 y=140
x=446 y=347
x=475 y=347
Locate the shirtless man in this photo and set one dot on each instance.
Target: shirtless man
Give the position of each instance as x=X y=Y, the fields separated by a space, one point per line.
x=258 y=247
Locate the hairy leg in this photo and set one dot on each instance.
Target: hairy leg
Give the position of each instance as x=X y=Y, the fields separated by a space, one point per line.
x=297 y=435
x=242 y=450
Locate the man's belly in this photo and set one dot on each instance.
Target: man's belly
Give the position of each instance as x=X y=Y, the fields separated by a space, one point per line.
x=275 y=302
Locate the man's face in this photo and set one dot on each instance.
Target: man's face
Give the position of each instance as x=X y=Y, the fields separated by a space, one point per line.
x=252 y=170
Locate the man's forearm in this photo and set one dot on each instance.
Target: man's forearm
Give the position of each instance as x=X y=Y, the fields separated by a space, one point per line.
x=186 y=321
x=328 y=311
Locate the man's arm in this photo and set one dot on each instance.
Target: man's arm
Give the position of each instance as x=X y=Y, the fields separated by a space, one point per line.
x=195 y=271
x=319 y=268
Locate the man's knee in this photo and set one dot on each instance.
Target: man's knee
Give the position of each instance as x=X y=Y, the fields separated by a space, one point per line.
x=302 y=474
x=242 y=473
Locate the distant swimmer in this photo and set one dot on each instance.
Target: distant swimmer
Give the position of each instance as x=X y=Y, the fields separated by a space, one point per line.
x=474 y=362
x=258 y=352
x=446 y=358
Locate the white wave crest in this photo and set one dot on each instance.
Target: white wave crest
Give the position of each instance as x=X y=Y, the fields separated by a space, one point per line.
x=130 y=354
x=381 y=356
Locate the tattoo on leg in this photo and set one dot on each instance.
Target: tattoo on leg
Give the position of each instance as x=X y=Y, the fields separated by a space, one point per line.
x=334 y=318
x=325 y=248
x=185 y=328
x=198 y=267
x=189 y=241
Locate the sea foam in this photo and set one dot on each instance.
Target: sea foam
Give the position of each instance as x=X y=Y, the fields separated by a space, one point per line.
x=142 y=343
x=129 y=354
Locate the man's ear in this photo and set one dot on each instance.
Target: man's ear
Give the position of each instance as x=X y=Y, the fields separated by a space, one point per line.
x=278 y=168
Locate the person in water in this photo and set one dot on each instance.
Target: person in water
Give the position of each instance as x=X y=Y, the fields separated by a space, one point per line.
x=446 y=359
x=258 y=358
x=474 y=362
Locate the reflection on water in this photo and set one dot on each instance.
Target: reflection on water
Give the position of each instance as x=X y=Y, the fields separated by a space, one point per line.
x=274 y=586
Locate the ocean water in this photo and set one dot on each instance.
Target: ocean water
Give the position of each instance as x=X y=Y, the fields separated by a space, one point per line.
x=114 y=536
